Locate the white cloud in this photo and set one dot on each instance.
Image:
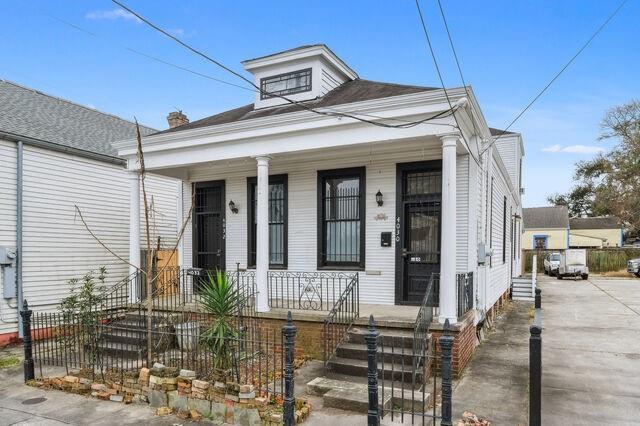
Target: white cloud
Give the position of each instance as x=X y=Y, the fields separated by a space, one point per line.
x=112 y=15
x=177 y=31
x=574 y=149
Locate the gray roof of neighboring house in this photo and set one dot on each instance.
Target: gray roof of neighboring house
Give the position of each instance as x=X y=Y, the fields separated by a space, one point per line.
x=351 y=91
x=36 y=115
x=602 y=222
x=545 y=217
x=498 y=132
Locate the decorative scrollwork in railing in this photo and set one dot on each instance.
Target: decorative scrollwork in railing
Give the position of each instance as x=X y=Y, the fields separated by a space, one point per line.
x=315 y=291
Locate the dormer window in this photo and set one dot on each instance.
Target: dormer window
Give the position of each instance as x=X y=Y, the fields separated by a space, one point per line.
x=285 y=84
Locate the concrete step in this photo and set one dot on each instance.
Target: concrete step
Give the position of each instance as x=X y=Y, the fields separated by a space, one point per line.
x=359 y=351
x=357 y=367
x=524 y=299
x=387 y=337
x=124 y=350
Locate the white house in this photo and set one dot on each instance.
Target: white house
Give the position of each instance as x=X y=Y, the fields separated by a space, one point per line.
x=347 y=174
x=54 y=155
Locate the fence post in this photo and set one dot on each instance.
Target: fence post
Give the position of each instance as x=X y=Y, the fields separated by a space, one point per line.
x=538 y=298
x=446 y=345
x=289 y=333
x=535 y=366
x=371 y=338
x=25 y=314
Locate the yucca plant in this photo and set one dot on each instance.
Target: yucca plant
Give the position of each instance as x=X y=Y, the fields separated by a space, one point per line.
x=222 y=300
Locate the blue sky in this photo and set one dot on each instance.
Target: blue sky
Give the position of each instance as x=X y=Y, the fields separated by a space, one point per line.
x=508 y=50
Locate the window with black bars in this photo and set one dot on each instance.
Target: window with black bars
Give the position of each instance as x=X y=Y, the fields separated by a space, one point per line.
x=277 y=221
x=341 y=218
x=285 y=84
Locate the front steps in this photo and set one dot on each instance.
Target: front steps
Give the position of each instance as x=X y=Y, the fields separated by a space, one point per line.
x=345 y=385
x=126 y=337
x=523 y=289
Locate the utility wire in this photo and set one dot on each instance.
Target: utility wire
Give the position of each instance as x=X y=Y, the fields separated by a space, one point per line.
x=559 y=73
x=464 y=83
x=328 y=112
x=182 y=68
x=435 y=63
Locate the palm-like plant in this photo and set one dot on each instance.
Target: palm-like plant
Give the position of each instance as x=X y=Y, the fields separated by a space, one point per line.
x=222 y=300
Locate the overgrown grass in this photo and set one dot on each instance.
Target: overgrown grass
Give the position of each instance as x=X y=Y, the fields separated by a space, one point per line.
x=9 y=361
x=598 y=260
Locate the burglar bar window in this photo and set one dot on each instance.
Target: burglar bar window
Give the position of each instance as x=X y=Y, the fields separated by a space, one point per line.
x=341 y=218
x=277 y=222
x=285 y=84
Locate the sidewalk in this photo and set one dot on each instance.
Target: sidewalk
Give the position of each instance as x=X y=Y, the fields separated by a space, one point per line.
x=495 y=384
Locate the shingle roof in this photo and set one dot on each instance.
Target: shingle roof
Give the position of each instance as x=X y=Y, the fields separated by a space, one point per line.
x=545 y=217
x=351 y=91
x=498 y=132
x=27 y=112
x=602 y=222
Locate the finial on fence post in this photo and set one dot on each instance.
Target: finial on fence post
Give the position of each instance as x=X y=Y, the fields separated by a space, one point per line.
x=371 y=339
x=25 y=314
x=289 y=334
x=446 y=345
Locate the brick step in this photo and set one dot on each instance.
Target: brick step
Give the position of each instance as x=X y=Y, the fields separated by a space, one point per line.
x=387 y=337
x=359 y=351
x=357 y=367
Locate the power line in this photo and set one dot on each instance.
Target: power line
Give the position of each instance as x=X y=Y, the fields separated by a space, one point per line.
x=331 y=113
x=559 y=73
x=455 y=55
x=435 y=62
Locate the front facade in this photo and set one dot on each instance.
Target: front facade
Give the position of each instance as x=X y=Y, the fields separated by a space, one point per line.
x=546 y=228
x=596 y=232
x=380 y=179
x=55 y=155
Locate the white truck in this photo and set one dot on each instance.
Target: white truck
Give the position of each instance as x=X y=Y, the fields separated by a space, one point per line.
x=573 y=263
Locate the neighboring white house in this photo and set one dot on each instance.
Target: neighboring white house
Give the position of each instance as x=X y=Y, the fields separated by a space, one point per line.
x=309 y=188
x=55 y=154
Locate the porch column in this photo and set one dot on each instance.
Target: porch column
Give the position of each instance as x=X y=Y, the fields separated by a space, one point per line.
x=448 y=291
x=134 y=229
x=262 y=234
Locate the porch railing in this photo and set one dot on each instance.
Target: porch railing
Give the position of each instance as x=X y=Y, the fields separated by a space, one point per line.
x=424 y=317
x=310 y=291
x=341 y=317
x=465 y=292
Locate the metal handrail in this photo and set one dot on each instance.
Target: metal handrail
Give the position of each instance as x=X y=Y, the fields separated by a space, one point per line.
x=424 y=318
x=342 y=315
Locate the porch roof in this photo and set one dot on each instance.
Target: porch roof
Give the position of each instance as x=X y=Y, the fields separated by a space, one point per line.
x=352 y=91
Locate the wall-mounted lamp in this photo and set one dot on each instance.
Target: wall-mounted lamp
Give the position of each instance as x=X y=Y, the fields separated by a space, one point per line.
x=232 y=207
x=379 y=198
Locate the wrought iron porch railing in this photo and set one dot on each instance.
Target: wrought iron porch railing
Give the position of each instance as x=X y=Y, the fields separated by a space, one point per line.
x=424 y=317
x=341 y=317
x=310 y=291
x=465 y=292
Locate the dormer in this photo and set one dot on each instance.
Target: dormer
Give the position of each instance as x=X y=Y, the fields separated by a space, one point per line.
x=300 y=74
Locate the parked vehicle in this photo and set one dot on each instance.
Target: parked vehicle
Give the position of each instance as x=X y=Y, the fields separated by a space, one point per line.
x=552 y=263
x=633 y=266
x=573 y=263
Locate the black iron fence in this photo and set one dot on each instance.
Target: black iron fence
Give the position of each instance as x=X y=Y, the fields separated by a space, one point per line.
x=342 y=316
x=402 y=381
x=424 y=317
x=315 y=291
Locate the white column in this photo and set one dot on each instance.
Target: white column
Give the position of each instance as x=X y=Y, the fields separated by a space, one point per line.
x=262 y=234
x=448 y=291
x=134 y=228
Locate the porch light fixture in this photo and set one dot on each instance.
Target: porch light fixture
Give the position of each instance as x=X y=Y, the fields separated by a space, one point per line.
x=379 y=198
x=232 y=207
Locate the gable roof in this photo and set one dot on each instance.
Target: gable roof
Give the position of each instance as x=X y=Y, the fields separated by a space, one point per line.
x=36 y=115
x=546 y=217
x=601 y=222
x=351 y=91
x=498 y=132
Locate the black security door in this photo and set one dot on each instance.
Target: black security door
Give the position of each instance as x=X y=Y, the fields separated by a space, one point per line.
x=209 y=226
x=417 y=229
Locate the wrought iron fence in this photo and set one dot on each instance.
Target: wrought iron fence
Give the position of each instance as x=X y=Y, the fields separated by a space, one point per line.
x=342 y=316
x=311 y=291
x=465 y=292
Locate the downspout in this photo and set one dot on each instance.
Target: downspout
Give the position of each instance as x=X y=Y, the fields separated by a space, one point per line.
x=19 y=211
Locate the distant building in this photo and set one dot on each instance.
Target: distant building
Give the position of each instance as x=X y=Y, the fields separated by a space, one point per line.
x=595 y=232
x=545 y=228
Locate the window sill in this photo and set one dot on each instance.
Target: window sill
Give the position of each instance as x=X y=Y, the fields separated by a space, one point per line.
x=340 y=268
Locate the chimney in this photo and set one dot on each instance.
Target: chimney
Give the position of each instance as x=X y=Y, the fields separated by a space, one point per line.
x=176 y=118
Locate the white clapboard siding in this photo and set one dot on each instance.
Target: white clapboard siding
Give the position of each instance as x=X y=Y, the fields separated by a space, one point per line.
x=377 y=282
x=56 y=244
x=8 y=315
x=462 y=213
x=509 y=148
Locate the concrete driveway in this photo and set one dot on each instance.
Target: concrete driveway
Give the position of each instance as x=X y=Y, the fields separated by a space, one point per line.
x=590 y=351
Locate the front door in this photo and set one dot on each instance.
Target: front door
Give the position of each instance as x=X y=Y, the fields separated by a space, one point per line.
x=418 y=229
x=209 y=226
